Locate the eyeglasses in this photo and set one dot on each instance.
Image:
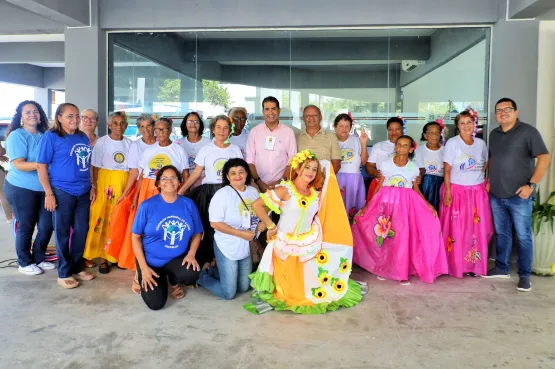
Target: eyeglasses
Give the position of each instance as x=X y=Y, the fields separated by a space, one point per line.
x=88 y=119
x=160 y=130
x=193 y=122
x=71 y=117
x=504 y=110
x=237 y=119
x=165 y=179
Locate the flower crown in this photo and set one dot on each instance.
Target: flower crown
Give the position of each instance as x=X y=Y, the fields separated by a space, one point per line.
x=404 y=124
x=300 y=157
x=475 y=117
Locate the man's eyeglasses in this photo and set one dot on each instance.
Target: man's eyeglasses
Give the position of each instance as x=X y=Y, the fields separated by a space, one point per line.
x=504 y=110
x=237 y=119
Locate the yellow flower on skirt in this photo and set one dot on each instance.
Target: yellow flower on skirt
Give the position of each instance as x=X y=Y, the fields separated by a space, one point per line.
x=338 y=284
x=323 y=276
x=322 y=258
x=319 y=293
x=345 y=266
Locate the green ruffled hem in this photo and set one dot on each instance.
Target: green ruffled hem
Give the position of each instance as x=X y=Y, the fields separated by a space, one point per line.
x=264 y=288
x=270 y=204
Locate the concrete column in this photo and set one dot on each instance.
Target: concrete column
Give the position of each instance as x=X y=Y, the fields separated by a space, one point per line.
x=189 y=93
x=85 y=68
x=41 y=96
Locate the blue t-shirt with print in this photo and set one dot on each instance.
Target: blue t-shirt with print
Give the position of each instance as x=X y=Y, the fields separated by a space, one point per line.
x=68 y=160
x=21 y=144
x=166 y=228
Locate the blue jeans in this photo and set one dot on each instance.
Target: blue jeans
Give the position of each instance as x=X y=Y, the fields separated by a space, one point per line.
x=71 y=212
x=230 y=276
x=28 y=207
x=508 y=213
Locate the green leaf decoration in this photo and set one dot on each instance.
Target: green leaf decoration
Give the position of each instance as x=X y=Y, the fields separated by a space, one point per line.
x=342 y=260
x=379 y=241
x=390 y=234
x=542 y=212
x=333 y=280
x=321 y=271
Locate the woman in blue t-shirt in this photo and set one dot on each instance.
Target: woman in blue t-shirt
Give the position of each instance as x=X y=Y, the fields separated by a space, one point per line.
x=23 y=189
x=64 y=173
x=166 y=235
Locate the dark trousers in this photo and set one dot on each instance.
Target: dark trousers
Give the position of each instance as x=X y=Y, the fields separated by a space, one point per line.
x=173 y=272
x=28 y=207
x=71 y=212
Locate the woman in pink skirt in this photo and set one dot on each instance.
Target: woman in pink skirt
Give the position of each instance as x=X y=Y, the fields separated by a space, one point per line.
x=465 y=211
x=399 y=234
x=353 y=154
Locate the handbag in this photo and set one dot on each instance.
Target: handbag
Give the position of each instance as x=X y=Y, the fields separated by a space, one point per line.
x=255 y=247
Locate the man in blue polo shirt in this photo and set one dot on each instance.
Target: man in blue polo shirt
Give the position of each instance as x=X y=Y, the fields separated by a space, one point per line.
x=513 y=177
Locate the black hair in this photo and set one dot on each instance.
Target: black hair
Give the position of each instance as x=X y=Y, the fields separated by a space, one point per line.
x=162 y=170
x=395 y=120
x=232 y=163
x=184 y=131
x=506 y=99
x=341 y=117
x=411 y=154
x=16 y=120
x=425 y=128
x=270 y=99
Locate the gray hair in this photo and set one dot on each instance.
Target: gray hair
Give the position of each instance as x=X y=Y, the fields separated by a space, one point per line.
x=144 y=117
x=312 y=106
x=90 y=111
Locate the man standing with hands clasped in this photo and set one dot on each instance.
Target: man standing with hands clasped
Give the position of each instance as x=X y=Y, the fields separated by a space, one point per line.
x=513 y=177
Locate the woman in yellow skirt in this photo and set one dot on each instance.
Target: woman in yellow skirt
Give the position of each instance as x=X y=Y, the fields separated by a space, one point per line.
x=121 y=219
x=306 y=266
x=158 y=155
x=109 y=177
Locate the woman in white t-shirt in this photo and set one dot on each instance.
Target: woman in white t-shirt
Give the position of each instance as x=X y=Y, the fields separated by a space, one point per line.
x=429 y=157
x=121 y=215
x=238 y=116
x=382 y=151
x=235 y=223
x=465 y=210
x=210 y=159
x=398 y=234
x=192 y=128
x=353 y=154
x=109 y=163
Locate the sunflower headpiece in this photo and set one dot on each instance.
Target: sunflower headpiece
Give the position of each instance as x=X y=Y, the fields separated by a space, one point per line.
x=300 y=157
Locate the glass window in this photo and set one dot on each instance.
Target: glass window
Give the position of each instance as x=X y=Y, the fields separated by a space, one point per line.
x=419 y=74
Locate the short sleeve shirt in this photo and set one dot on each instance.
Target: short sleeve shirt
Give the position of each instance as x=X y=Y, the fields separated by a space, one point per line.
x=21 y=144
x=324 y=144
x=111 y=154
x=351 y=149
x=430 y=160
x=467 y=161
x=381 y=152
x=136 y=150
x=395 y=176
x=213 y=158
x=156 y=157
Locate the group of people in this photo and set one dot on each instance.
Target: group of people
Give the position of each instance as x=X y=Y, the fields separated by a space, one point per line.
x=191 y=211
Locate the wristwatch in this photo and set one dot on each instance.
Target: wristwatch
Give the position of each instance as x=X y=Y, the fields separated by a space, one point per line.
x=532 y=185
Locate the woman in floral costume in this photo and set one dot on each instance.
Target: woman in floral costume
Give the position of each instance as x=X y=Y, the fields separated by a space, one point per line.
x=307 y=263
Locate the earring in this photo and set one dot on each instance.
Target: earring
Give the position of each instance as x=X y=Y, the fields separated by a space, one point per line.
x=21 y=122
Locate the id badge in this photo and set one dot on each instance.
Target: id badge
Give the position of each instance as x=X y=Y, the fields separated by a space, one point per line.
x=254 y=223
x=246 y=219
x=270 y=143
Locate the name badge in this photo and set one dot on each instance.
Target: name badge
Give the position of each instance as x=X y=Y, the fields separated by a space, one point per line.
x=270 y=143
x=254 y=223
x=246 y=219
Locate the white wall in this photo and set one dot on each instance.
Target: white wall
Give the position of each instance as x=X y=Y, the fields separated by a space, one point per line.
x=461 y=79
x=545 y=122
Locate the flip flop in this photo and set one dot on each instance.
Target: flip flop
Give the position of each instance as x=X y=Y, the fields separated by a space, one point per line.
x=136 y=287
x=177 y=292
x=104 y=268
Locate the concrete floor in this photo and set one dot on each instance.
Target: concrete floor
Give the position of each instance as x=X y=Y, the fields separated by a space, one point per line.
x=470 y=323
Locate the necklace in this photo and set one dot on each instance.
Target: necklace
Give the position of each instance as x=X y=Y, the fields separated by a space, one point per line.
x=34 y=136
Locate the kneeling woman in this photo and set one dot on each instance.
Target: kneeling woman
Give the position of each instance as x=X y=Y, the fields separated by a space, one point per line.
x=232 y=217
x=166 y=235
x=399 y=234
x=306 y=265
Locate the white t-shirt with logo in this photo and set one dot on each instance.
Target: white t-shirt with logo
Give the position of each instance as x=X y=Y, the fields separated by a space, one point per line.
x=213 y=158
x=226 y=207
x=241 y=141
x=381 y=152
x=155 y=157
x=111 y=154
x=192 y=150
x=395 y=176
x=351 y=149
x=136 y=151
x=431 y=160
x=467 y=162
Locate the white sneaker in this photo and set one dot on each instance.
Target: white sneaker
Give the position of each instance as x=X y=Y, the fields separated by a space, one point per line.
x=31 y=269
x=46 y=265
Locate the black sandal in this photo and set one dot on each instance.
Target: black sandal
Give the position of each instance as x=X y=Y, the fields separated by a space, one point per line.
x=104 y=268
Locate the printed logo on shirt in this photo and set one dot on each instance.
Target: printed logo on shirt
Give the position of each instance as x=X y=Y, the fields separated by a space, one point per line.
x=192 y=164
x=432 y=168
x=219 y=166
x=173 y=228
x=347 y=154
x=397 y=181
x=242 y=206
x=82 y=156
x=157 y=162
x=119 y=157
x=469 y=164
